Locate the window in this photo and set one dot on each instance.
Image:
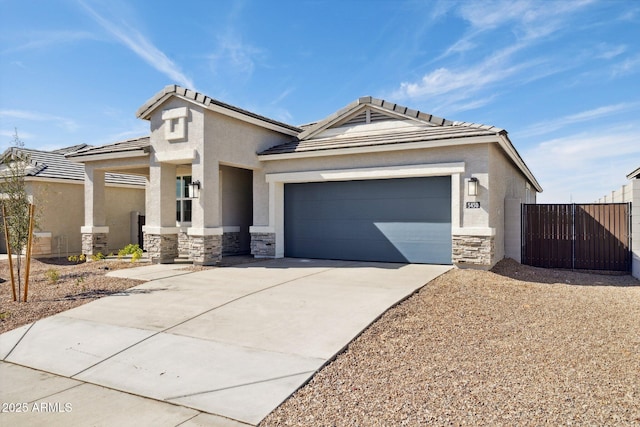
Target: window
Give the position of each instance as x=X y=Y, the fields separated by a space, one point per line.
x=183 y=202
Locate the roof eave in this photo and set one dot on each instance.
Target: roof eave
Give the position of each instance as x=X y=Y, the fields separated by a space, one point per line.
x=380 y=148
x=513 y=154
x=635 y=174
x=80 y=158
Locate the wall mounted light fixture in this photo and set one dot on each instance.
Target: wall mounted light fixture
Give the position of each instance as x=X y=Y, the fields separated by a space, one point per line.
x=194 y=190
x=473 y=186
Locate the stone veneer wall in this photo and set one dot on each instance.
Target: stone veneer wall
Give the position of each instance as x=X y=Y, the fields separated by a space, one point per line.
x=474 y=250
x=263 y=245
x=162 y=248
x=230 y=243
x=92 y=243
x=183 y=244
x=205 y=250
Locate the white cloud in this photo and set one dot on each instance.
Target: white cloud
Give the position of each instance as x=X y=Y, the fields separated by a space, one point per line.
x=40 y=40
x=63 y=122
x=233 y=55
x=628 y=66
x=549 y=126
x=142 y=47
x=531 y=19
x=584 y=166
x=465 y=82
x=282 y=96
x=607 y=51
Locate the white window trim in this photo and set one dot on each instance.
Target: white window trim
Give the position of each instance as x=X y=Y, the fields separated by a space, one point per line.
x=183 y=223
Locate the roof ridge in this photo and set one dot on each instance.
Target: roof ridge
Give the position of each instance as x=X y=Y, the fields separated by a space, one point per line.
x=206 y=101
x=377 y=103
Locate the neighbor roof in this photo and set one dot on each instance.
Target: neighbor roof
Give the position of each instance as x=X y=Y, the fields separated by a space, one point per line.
x=145 y=111
x=131 y=146
x=634 y=175
x=54 y=165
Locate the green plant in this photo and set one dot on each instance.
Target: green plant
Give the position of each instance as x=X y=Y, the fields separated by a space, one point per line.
x=77 y=258
x=131 y=249
x=136 y=256
x=79 y=280
x=4 y=315
x=52 y=275
x=14 y=165
x=97 y=257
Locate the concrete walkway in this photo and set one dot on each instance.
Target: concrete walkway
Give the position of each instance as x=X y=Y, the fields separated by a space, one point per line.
x=221 y=347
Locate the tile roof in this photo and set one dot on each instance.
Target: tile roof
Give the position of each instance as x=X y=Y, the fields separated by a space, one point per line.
x=392 y=137
x=427 y=128
x=634 y=175
x=54 y=165
x=202 y=99
x=142 y=143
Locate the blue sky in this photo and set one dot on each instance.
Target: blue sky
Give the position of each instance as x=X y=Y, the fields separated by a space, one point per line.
x=563 y=78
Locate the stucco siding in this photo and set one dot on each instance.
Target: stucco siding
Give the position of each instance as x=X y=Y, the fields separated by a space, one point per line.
x=60 y=207
x=237 y=143
x=509 y=187
x=120 y=203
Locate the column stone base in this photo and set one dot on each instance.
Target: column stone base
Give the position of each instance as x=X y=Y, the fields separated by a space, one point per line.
x=474 y=251
x=162 y=248
x=205 y=250
x=94 y=243
x=263 y=245
x=231 y=243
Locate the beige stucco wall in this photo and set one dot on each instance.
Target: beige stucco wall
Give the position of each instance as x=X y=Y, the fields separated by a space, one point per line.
x=215 y=139
x=120 y=202
x=61 y=212
x=508 y=192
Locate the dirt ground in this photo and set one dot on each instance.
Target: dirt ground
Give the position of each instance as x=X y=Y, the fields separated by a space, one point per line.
x=514 y=346
x=76 y=284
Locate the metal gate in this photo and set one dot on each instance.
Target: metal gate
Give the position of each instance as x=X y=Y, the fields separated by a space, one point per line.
x=577 y=236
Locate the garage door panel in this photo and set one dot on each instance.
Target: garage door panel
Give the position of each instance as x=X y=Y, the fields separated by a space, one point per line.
x=395 y=220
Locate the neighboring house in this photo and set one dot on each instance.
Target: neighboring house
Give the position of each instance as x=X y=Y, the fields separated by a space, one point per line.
x=56 y=186
x=630 y=193
x=374 y=181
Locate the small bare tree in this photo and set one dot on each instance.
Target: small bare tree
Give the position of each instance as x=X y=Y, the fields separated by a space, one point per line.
x=15 y=200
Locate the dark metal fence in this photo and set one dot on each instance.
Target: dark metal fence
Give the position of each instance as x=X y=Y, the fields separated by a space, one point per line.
x=577 y=236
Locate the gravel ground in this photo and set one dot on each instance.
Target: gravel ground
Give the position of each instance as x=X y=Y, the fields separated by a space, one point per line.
x=77 y=284
x=515 y=346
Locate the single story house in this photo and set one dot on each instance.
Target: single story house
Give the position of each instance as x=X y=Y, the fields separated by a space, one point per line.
x=374 y=181
x=630 y=193
x=56 y=186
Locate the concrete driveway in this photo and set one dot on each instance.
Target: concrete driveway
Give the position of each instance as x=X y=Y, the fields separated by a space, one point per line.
x=223 y=346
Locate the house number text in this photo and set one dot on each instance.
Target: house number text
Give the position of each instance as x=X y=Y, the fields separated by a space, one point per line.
x=473 y=205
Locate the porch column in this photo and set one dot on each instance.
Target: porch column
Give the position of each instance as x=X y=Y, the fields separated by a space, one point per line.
x=95 y=231
x=205 y=233
x=161 y=233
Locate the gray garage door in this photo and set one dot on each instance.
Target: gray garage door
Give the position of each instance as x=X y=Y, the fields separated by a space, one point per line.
x=388 y=220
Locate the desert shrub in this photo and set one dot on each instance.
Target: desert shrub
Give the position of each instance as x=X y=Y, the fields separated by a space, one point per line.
x=98 y=257
x=52 y=275
x=77 y=258
x=131 y=249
